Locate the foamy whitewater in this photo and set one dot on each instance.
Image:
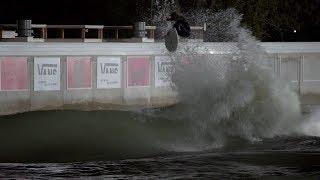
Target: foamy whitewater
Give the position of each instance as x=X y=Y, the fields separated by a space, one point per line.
x=233 y=95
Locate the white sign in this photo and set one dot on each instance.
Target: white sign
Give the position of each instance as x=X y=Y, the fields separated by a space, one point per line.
x=108 y=72
x=163 y=69
x=46 y=74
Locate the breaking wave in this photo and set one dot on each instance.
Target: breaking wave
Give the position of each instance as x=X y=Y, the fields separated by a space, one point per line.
x=223 y=99
x=233 y=94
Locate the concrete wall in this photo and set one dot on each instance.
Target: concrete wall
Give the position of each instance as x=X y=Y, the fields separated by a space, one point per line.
x=296 y=62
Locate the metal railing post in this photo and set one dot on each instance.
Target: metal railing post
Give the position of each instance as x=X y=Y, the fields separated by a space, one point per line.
x=83 y=33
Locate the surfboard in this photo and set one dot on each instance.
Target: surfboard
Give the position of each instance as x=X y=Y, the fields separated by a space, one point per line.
x=172 y=40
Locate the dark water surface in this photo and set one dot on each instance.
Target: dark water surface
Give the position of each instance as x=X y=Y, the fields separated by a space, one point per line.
x=124 y=145
x=241 y=164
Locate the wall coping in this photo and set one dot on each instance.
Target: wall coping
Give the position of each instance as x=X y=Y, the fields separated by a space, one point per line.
x=117 y=48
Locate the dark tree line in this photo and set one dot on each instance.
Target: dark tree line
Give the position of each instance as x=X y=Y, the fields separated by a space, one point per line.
x=272 y=20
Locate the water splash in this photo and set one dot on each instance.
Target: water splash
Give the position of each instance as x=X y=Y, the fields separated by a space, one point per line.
x=230 y=95
x=311 y=123
x=161 y=11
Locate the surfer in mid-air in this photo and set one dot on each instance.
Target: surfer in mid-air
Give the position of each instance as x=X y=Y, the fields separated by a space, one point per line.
x=181 y=25
x=180 y=28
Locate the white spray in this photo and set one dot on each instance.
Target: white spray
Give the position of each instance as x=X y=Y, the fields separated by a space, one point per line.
x=234 y=95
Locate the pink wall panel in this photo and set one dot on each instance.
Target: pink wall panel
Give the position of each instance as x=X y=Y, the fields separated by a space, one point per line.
x=79 y=72
x=138 y=71
x=14 y=73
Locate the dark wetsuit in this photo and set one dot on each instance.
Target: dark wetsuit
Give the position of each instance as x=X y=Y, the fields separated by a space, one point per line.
x=181 y=25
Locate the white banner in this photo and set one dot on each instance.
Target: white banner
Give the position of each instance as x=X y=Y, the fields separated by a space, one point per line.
x=163 y=68
x=108 y=72
x=46 y=74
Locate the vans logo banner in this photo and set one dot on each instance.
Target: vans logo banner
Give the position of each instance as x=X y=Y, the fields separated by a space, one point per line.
x=47 y=74
x=108 y=72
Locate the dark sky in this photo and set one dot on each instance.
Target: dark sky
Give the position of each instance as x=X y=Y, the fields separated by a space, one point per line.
x=68 y=11
x=112 y=12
